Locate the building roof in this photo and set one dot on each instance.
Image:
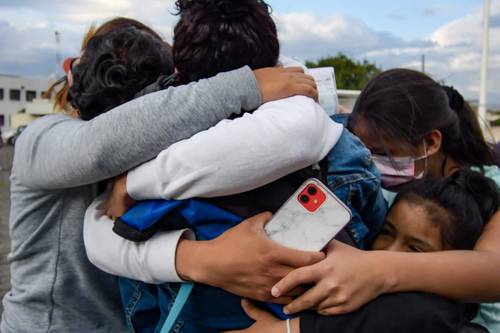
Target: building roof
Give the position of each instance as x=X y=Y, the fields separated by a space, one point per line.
x=9 y=75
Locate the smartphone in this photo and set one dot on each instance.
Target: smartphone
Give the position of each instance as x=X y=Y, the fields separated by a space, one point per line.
x=309 y=219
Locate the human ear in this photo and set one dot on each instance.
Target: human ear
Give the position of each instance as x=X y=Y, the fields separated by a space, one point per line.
x=433 y=142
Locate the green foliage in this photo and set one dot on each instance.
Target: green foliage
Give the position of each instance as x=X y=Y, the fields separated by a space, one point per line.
x=350 y=74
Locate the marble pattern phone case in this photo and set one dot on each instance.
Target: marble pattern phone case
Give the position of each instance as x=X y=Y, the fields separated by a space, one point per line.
x=295 y=226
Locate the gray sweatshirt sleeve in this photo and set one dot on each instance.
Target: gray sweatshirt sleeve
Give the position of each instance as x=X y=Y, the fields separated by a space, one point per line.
x=59 y=151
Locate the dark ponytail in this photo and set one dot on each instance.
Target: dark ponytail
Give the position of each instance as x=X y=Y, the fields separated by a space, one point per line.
x=483 y=192
x=478 y=151
x=403 y=104
x=460 y=205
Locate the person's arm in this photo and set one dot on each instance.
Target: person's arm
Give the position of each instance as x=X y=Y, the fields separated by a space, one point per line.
x=243 y=260
x=152 y=261
x=468 y=276
x=343 y=283
x=60 y=151
x=232 y=157
x=239 y=155
x=404 y=312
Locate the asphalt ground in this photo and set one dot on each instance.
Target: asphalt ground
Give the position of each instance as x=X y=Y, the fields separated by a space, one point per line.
x=6 y=153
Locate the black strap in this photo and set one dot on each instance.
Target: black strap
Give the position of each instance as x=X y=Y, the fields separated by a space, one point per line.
x=124 y=230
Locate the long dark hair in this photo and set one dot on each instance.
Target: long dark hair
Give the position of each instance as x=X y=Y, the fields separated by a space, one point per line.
x=403 y=104
x=459 y=205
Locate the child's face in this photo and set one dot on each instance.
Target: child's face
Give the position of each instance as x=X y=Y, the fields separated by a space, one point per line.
x=408 y=228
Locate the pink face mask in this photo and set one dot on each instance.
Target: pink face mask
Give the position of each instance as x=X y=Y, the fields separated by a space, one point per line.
x=397 y=170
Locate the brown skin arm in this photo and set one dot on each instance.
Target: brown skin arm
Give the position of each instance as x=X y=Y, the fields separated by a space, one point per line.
x=339 y=281
x=119 y=201
x=243 y=261
x=469 y=276
x=265 y=322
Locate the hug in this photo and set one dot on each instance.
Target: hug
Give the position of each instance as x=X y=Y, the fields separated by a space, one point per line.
x=219 y=131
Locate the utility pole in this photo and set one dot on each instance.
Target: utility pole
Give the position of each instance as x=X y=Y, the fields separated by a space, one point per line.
x=58 y=54
x=423 y=63
x=484 y=66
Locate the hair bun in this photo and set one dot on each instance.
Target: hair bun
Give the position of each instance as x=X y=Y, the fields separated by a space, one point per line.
x=224 y=9
x=483 y=190
x=456 y=99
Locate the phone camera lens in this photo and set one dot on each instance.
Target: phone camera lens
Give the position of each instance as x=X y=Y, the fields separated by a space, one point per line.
x=304 y=198
x=312 y=190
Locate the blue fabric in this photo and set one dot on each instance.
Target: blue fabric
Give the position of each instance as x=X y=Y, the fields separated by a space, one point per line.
x=179 y=303
x=208 y=310
x=208 y=221
x=351 y=175
x=147 y=306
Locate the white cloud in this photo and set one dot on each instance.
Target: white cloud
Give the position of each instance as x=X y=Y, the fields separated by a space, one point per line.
x=453 y=51
x=27 y=29
x=461 y=43
x=306 y=36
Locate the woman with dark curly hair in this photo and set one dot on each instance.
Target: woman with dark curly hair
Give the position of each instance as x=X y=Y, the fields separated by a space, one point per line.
x=60 y=88
x=60 y=160
x=115 y=67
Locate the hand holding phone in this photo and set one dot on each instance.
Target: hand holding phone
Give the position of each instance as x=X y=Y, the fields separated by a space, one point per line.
x=309 y=219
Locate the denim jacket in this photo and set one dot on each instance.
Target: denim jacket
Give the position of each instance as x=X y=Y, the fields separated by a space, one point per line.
x=350 y=174
x=353 y=177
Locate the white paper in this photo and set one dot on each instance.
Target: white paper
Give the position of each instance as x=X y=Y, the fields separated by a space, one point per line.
x=327 y=88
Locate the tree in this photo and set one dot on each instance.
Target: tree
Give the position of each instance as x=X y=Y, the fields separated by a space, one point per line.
x=350 y=74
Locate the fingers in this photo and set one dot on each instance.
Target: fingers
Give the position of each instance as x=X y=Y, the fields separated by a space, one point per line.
x=276 y=271
x=306 y=77
x=293 y=69
x=277 y=83
x=305 y=84
x=331 y=305
x=300 y=78
x=305 y=80
x=296 y=278
x=335 y=310
x=305 y=90
x=296 y=258
x=308 y=300
x=297 y=291
x=283 y=300
x=259 y=221
x=115 y=210
x=252 y=311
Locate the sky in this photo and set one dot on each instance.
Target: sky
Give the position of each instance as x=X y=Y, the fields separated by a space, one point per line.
x=390 y=33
